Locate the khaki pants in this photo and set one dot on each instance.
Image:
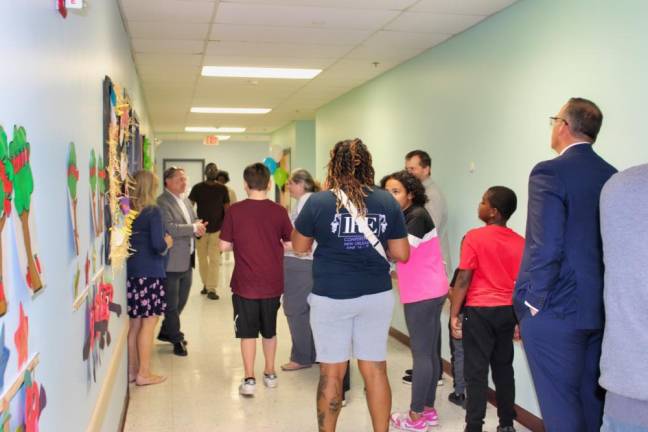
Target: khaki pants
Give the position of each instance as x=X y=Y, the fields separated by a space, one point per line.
x=208 y=250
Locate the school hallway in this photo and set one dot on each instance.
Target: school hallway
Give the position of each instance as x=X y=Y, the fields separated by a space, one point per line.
x=201 y=391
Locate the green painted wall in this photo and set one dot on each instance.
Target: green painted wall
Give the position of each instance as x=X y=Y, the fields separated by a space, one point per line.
x=484 y=97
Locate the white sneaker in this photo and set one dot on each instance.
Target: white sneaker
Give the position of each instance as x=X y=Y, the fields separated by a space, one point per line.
x=247 y=387
x=270 y=380
x=440 y=382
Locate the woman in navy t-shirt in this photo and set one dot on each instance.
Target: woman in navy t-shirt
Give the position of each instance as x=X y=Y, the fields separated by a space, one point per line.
x=352 y=302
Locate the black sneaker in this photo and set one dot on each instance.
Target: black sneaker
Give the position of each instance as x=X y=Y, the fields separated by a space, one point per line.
x=407 y=379
x=457 y=399
x=409 y=371
x=212 y=296
x=505 y=429
x=204 y=290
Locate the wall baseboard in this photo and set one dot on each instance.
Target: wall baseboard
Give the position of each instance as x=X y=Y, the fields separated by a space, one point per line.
x=122 y=422
x=99 y=413
x=524 y=417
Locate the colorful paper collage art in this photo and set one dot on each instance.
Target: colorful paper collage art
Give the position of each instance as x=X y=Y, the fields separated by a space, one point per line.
x=35 y=402
x=6 y=190
x=101 y=192
x=72 y=180
x=93 y=191
x=98 y=309
x=21 y=337
x=19 y=153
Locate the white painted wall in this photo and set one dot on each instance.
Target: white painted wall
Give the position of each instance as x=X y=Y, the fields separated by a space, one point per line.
x=51 y=83
x=230 y=156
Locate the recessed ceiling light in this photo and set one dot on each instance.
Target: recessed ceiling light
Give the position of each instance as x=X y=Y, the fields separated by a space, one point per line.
x=215 y=110
x=209 y=129
x=256 y=72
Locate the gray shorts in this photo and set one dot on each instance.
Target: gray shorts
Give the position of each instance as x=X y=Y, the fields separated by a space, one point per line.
x=356 y=327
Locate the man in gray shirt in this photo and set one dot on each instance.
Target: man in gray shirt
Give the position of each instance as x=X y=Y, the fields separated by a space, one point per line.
x=624 y=360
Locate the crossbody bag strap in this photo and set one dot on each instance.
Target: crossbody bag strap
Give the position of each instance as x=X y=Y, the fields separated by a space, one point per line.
x=361 y=221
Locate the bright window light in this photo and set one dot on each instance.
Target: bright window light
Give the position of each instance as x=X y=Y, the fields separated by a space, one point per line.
x=216 y=110
x=257 y=72
x=209 y=129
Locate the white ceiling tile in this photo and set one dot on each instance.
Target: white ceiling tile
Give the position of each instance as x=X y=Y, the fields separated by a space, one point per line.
x=168 y=10
x=433 y=23
x=388 y=46
x=355 y=4
x=153 y=30
x=469 y=7
x=167 y=46
x=257 y=49
x=168 y=60
x=299 y=35
x=248 y=14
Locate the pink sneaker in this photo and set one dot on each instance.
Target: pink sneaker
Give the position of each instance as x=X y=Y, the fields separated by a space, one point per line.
x=431 y=417
x=402 y=421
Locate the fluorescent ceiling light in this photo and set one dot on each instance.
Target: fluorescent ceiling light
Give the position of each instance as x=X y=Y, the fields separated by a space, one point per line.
x=257 y=72
x=212 y=110
x=209 y=129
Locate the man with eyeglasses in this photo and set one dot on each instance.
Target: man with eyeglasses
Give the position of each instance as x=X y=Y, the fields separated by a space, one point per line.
x=559 y=290
x=182 y=224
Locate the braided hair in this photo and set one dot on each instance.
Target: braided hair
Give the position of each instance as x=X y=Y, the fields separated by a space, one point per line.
x=351 y=171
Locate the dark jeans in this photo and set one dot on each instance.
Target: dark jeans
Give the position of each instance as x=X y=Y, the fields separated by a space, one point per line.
x=457 y=361
x=178 y=285
x=488 y=341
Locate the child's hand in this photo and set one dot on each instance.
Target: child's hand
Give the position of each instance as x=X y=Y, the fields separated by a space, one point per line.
x=516 y=333
x=168 y=240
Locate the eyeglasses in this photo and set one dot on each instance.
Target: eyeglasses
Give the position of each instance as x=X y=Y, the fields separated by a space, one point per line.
x=553 y=120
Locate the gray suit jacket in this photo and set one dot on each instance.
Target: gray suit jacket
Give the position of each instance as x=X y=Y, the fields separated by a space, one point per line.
x=182 y=232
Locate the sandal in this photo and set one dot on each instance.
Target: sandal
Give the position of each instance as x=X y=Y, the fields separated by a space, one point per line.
x=150 y=380
x=292 y=366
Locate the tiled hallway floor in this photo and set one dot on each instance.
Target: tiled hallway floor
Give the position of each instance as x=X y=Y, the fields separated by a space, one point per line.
x=201 y=393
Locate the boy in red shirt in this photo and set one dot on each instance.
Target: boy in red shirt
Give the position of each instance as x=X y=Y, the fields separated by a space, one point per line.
x=255 y=228
x=490 y=261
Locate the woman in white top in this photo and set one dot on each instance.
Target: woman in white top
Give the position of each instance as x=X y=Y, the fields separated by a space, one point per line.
x=298 y=276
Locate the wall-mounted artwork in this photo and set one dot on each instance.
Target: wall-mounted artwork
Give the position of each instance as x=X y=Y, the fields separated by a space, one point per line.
x=121 y=150
x=72 y=181
x=101 y=192
x=99 y=305
x=93 y=191
x=19 y=153
x=6 y=191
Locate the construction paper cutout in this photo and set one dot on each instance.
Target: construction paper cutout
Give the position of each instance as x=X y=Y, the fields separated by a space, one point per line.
x=62 y=9
x=87 y=270
x=270 y=164
x=98 y=309
x=72 y=180
x=35 y=402
x=75 y=282
x=6 y=192
x=4 y=356
x=93 y=191
x=21 y=337
x=146 y=154
x=19 y=152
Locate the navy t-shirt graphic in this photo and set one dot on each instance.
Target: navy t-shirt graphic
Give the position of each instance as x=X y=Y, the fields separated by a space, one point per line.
x=345 y=265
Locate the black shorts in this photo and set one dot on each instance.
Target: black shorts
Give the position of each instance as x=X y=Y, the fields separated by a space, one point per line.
x=252 y=316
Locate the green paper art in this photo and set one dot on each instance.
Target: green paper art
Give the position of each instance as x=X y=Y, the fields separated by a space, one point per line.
x=146 y=153
x=19 y=152
x=72 y=180
x=6 y=191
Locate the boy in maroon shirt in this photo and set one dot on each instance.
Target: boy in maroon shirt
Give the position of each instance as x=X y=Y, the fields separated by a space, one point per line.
x=490 y=262
x=255 y=229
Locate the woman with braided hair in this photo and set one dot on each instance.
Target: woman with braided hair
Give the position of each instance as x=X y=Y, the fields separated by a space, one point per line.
x=357 y=227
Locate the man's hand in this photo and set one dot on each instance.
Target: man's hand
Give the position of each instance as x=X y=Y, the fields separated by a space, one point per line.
x=200 y=227
x=455 y=326
x=168 y=240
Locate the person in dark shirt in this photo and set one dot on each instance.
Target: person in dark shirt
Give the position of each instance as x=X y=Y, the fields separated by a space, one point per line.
x=256 y=229
x=212 y=199
x=351 y=303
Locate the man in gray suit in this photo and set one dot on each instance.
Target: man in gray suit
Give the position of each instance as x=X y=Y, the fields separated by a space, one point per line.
x=182 y=224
